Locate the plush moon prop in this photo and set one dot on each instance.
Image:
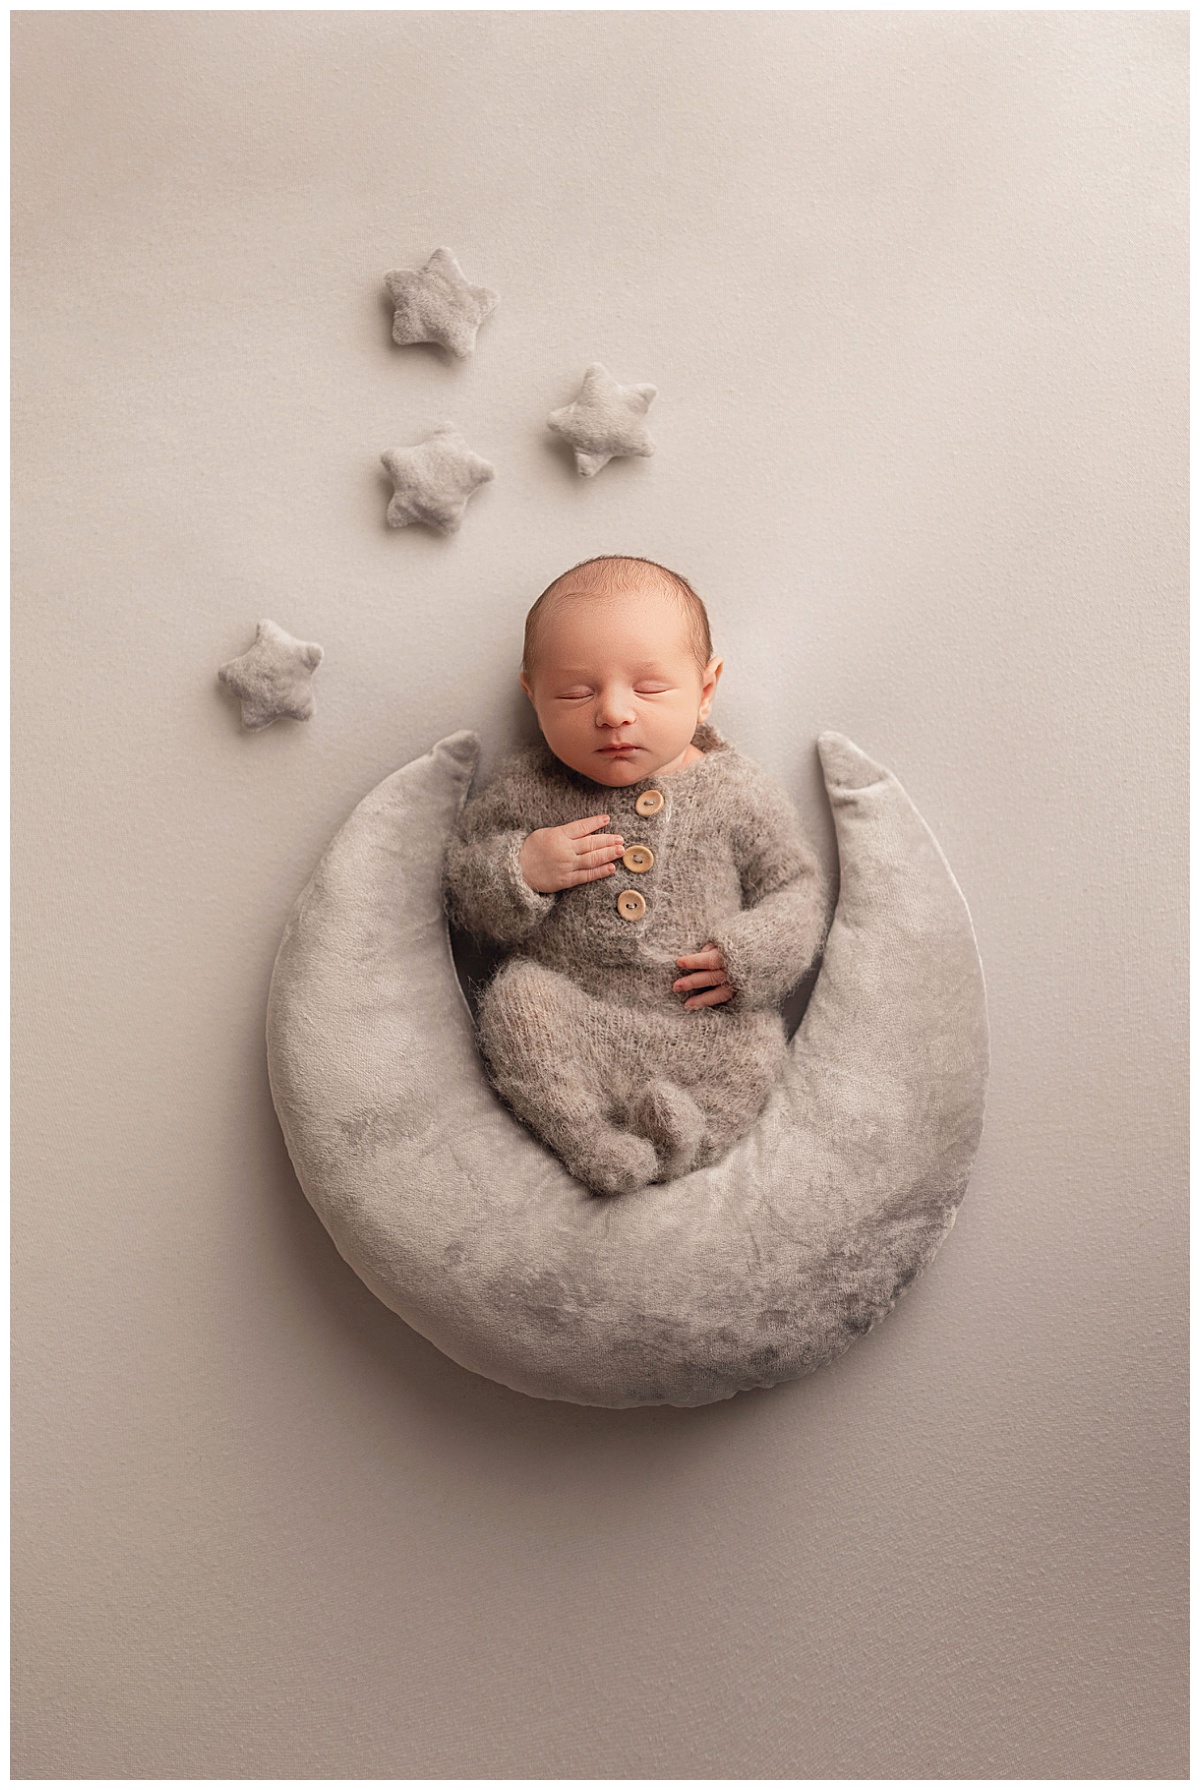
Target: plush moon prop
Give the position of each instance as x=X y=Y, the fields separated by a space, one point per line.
x=755 y=1270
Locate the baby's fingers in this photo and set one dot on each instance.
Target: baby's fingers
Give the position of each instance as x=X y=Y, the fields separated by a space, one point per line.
x=589 y=876
x=702 y=960
x=595 y=858
x=594 y=846
x=701 y=979
x=712 y=996
x=595 y=863
x=575 y=829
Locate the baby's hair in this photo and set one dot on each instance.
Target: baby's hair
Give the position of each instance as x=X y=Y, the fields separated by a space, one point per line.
x=605 y=575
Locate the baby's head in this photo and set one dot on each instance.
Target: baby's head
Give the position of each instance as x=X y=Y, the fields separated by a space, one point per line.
x=619 y=667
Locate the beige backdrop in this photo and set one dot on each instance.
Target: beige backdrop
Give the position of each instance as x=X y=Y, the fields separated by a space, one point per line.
x=913 y=289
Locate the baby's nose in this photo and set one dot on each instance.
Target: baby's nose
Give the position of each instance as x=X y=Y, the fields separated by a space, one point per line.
x=613 y=708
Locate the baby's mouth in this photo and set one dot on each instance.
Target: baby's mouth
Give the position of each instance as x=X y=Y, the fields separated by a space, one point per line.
x=619 y=751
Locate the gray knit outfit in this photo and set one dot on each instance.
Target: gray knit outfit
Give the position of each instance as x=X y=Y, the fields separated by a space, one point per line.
x=581 y=1031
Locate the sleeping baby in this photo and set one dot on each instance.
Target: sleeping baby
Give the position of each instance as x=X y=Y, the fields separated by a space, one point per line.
x=654 y=884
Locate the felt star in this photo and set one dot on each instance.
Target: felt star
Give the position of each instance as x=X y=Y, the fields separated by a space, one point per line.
x=435 y=303
x=434 y=480
x=605 y=420
x=274 y=678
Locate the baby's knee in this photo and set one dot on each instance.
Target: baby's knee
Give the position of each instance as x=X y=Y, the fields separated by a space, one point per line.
x=520 y=979
x=534 y=1040
x=524 y=1002
x=738 y=1082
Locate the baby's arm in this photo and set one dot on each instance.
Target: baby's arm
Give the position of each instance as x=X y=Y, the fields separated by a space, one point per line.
x=485 y=891
x=769 y=945
x=501 y=877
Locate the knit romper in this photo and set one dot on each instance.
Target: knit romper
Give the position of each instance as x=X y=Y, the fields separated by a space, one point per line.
x=581 y=1031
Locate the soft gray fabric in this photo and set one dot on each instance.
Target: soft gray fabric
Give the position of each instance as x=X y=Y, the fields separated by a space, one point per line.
x=755 y=1270
x=274 y=677
x=582 y=1031
x=605 y=420
x=434 y=480
x=436 y=303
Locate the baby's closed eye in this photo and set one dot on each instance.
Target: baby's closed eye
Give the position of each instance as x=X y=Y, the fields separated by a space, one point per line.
x=577 y=696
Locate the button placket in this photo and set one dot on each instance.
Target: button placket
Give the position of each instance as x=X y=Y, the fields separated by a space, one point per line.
x=639 y=857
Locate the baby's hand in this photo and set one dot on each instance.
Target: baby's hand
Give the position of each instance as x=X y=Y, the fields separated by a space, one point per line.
x=556 y=858
x=710 y=975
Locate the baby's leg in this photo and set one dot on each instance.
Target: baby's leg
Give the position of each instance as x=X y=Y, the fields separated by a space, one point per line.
x=669 y=1116
x=708 y=1075
x=736 y=1059
x=548 y=1047
x=700 y=1079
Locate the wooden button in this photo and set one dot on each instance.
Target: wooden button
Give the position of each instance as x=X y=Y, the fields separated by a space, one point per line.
x=631 y=905
x=650 y=801
x=637 y=857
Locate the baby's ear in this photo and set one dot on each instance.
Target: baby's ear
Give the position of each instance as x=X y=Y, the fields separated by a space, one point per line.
x=526 y=685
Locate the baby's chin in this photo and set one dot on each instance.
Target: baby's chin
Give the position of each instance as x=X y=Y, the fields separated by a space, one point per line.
x=618 y=772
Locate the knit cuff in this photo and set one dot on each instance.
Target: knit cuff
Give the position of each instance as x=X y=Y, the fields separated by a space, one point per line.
x=485 y=892
x=530 y=905
x=762 y=966
x=757 y=985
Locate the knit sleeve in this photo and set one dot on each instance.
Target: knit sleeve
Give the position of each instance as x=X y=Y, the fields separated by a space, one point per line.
x=485 y=891
x=781 y=928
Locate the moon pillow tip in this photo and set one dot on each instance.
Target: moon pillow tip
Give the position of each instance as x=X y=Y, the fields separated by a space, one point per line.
x=462 y=747
x=845 y=765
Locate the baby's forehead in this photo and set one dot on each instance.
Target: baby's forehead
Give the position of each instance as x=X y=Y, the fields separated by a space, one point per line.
x=631 y=648
x=631 y=609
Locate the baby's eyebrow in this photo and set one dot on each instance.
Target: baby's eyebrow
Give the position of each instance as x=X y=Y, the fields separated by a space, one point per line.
x=573 y=671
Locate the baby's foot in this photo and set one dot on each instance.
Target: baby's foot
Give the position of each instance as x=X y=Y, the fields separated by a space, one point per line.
x=612 y=1161
x=667 y=1115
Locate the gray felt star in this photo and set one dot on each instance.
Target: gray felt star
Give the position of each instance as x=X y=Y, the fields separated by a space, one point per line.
x=434 y=480
x=605 y=420
x=274 y=678
x=435 y=303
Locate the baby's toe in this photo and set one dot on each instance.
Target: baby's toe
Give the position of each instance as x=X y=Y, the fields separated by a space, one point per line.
x=614 y=1161
x=674 y=1124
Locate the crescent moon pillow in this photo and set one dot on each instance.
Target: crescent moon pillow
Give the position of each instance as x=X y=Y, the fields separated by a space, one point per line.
x=752 y=1271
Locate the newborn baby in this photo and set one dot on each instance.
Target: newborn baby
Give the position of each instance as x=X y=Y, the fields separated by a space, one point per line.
x=655 y=885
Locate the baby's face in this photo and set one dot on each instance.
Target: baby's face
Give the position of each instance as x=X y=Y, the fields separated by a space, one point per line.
x=616 y=685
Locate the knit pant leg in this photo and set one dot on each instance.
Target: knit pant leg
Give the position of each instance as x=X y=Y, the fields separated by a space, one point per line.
x=549 y=1048
x=743 y=1057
